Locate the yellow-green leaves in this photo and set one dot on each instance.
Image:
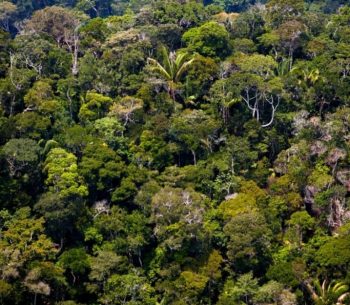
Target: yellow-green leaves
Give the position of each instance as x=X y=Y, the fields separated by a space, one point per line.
x=94 y=106
x=63 y=177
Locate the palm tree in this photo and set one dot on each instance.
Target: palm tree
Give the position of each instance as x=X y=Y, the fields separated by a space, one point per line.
x=173 y=67
x=310 y=76
x=333 y=293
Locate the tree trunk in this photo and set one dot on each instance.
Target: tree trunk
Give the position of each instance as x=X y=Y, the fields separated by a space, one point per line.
x=75 y=68
x=74 y=278
x=290 y=59
x=172 y=94
x=70 y=104
x=194 y=157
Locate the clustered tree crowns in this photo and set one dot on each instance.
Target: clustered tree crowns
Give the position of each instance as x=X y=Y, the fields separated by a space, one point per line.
x=174 y=152
x=62 y=25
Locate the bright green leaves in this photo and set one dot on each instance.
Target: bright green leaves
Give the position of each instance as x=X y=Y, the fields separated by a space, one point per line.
x=301 y=224
x=191 y=285
x=94 y=106
x=41 y=98
x=26 y=237
x=240 y=291
x=63 y=203
x=110 y=130
x=328 y=293
x=320 y=176
x=246 y=290
x=241 y=203
x=63 y=178
x=25 y=252
x=149 y=166
x=338 y=26
x=286 y=198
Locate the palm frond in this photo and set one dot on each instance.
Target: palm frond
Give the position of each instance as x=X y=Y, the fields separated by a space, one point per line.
x=167 y=60
x=180 y=59
x=340 y=288
x=183 y=68
x=342 y=298
x=155 y=66
x=318 y=287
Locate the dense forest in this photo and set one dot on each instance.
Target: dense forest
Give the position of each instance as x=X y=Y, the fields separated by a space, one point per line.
x=174 y=152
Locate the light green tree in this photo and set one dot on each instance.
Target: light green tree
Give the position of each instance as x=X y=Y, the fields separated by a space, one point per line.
x=94 y=106
x=63 y=178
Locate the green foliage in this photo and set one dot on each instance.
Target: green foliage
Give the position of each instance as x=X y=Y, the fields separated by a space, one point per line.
x=328 y=293
x=178 y=216
x=75 y=260
x=25 y=254
x=328 y=254
x=173 y=68
x=41 y=98
x=62 y=174
x=100 y=166
x=153 y=151
x=240 y=291
x=174 y=152
x=20 y=155
x=210 y=39
x=128 y=289
x=248 y=240
x=110 y=130
x=194 y=129
x=320 y=176
x=94 y=106
x=283 y=10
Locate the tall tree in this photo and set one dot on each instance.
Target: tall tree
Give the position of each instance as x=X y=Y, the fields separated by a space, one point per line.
x=62 y=25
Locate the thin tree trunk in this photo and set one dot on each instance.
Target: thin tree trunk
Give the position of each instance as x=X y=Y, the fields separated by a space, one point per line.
x=74 y=278
x=290 y=59
x=172 y=94
x=75 y=68
x=194 y=157
x=70 y=104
